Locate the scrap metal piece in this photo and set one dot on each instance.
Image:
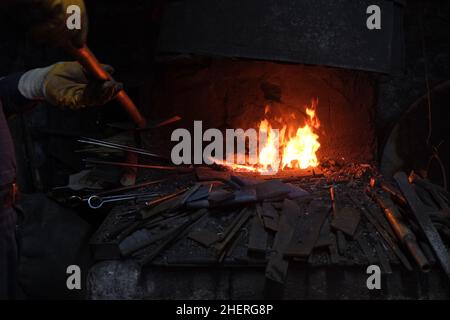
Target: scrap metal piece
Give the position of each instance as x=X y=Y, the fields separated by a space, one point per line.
x=384 y=261
x=277 y=266
x=324 y=239
x=271 y=189
x=346 y=220
x=335 y=258
x=240 y=197
x=174 y=235
x=341 y=242
x=161 y=204
x=428 y=252
x=424 y=221
x=209 y=174
x=245 y=181
x=139 y=239
x=385 y=235
x=269 y=215
x=270 y=224
x=232 y=229
x=389 y=189
x=218 y=196
x=257 y=240
x=198 y=204
x=383 y=252
x=403 y=233
x=440 y=194
x=366 y=249
x=310 y=226
x=200 y=194
x=205 y=237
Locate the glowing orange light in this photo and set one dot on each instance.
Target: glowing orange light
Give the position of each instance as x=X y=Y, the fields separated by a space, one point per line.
x=281 y=150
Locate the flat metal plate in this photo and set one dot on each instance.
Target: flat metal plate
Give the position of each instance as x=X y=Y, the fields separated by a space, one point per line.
x=319 y=32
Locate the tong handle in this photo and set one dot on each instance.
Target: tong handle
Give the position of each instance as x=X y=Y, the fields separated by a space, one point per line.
x=88 y=60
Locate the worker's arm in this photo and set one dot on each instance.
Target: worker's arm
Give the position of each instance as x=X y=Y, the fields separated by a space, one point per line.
x=63 y=84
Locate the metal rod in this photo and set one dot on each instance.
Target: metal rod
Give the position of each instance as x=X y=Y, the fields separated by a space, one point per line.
x=88 y=60
x=403 y=233
x=134 y=165
x=110 y=143
x=121 y=147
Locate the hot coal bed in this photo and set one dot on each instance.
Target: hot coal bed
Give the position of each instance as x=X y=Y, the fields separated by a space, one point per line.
x=366 y=195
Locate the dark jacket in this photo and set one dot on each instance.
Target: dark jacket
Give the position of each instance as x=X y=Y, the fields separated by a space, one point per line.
x=10 y=101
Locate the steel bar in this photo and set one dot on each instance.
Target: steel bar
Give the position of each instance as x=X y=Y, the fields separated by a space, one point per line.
x=424 y=221
x=120 y=147
x=88 y=60
x=135 y=165
x=403 y=233
x=383 y=233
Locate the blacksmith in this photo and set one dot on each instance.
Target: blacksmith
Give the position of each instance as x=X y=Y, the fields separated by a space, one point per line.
x=63 y=84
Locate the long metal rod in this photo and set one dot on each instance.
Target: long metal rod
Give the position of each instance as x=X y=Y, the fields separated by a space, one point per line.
x=88 y=60
x=401 y=230
x=424 y=221
x=134 y=165
x=121 y=147
x=110 y=143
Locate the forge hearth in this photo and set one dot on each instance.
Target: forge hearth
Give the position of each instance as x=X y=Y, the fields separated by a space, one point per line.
x=317 y=227
x=227 y=94
x=239 y=223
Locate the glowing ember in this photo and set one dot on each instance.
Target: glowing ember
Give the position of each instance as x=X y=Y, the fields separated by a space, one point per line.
x=234 y=166
x=289 y=147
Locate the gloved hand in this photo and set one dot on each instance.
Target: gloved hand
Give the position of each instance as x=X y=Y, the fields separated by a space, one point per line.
x=67 y=85
x=49 y=22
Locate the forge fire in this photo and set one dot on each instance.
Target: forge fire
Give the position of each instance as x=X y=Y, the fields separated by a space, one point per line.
x=268 y=149
x=224 y=150
x=289 y=147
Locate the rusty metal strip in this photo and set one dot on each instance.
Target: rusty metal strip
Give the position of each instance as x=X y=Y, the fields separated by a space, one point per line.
x=310 y=228
x=384 y=234
x=277 y=266
x=424 y=221
x=257 y=240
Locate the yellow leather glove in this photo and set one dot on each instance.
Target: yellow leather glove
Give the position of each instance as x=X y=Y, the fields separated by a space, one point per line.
x=49 y=22
x=67 y=85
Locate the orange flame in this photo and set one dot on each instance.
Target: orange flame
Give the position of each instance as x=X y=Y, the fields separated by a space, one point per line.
x=300 y=150
x=283 y=150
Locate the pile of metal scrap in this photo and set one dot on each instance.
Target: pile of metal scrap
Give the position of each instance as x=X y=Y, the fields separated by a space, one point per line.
x=245 y=220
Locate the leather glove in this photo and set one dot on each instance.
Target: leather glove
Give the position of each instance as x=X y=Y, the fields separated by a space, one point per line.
x=49 y=22
x=67 y=85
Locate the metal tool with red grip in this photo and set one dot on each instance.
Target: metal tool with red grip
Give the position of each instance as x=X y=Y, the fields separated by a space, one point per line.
x=88 y=60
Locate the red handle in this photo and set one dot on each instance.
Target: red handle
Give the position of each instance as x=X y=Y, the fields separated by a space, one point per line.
x=88 y=60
